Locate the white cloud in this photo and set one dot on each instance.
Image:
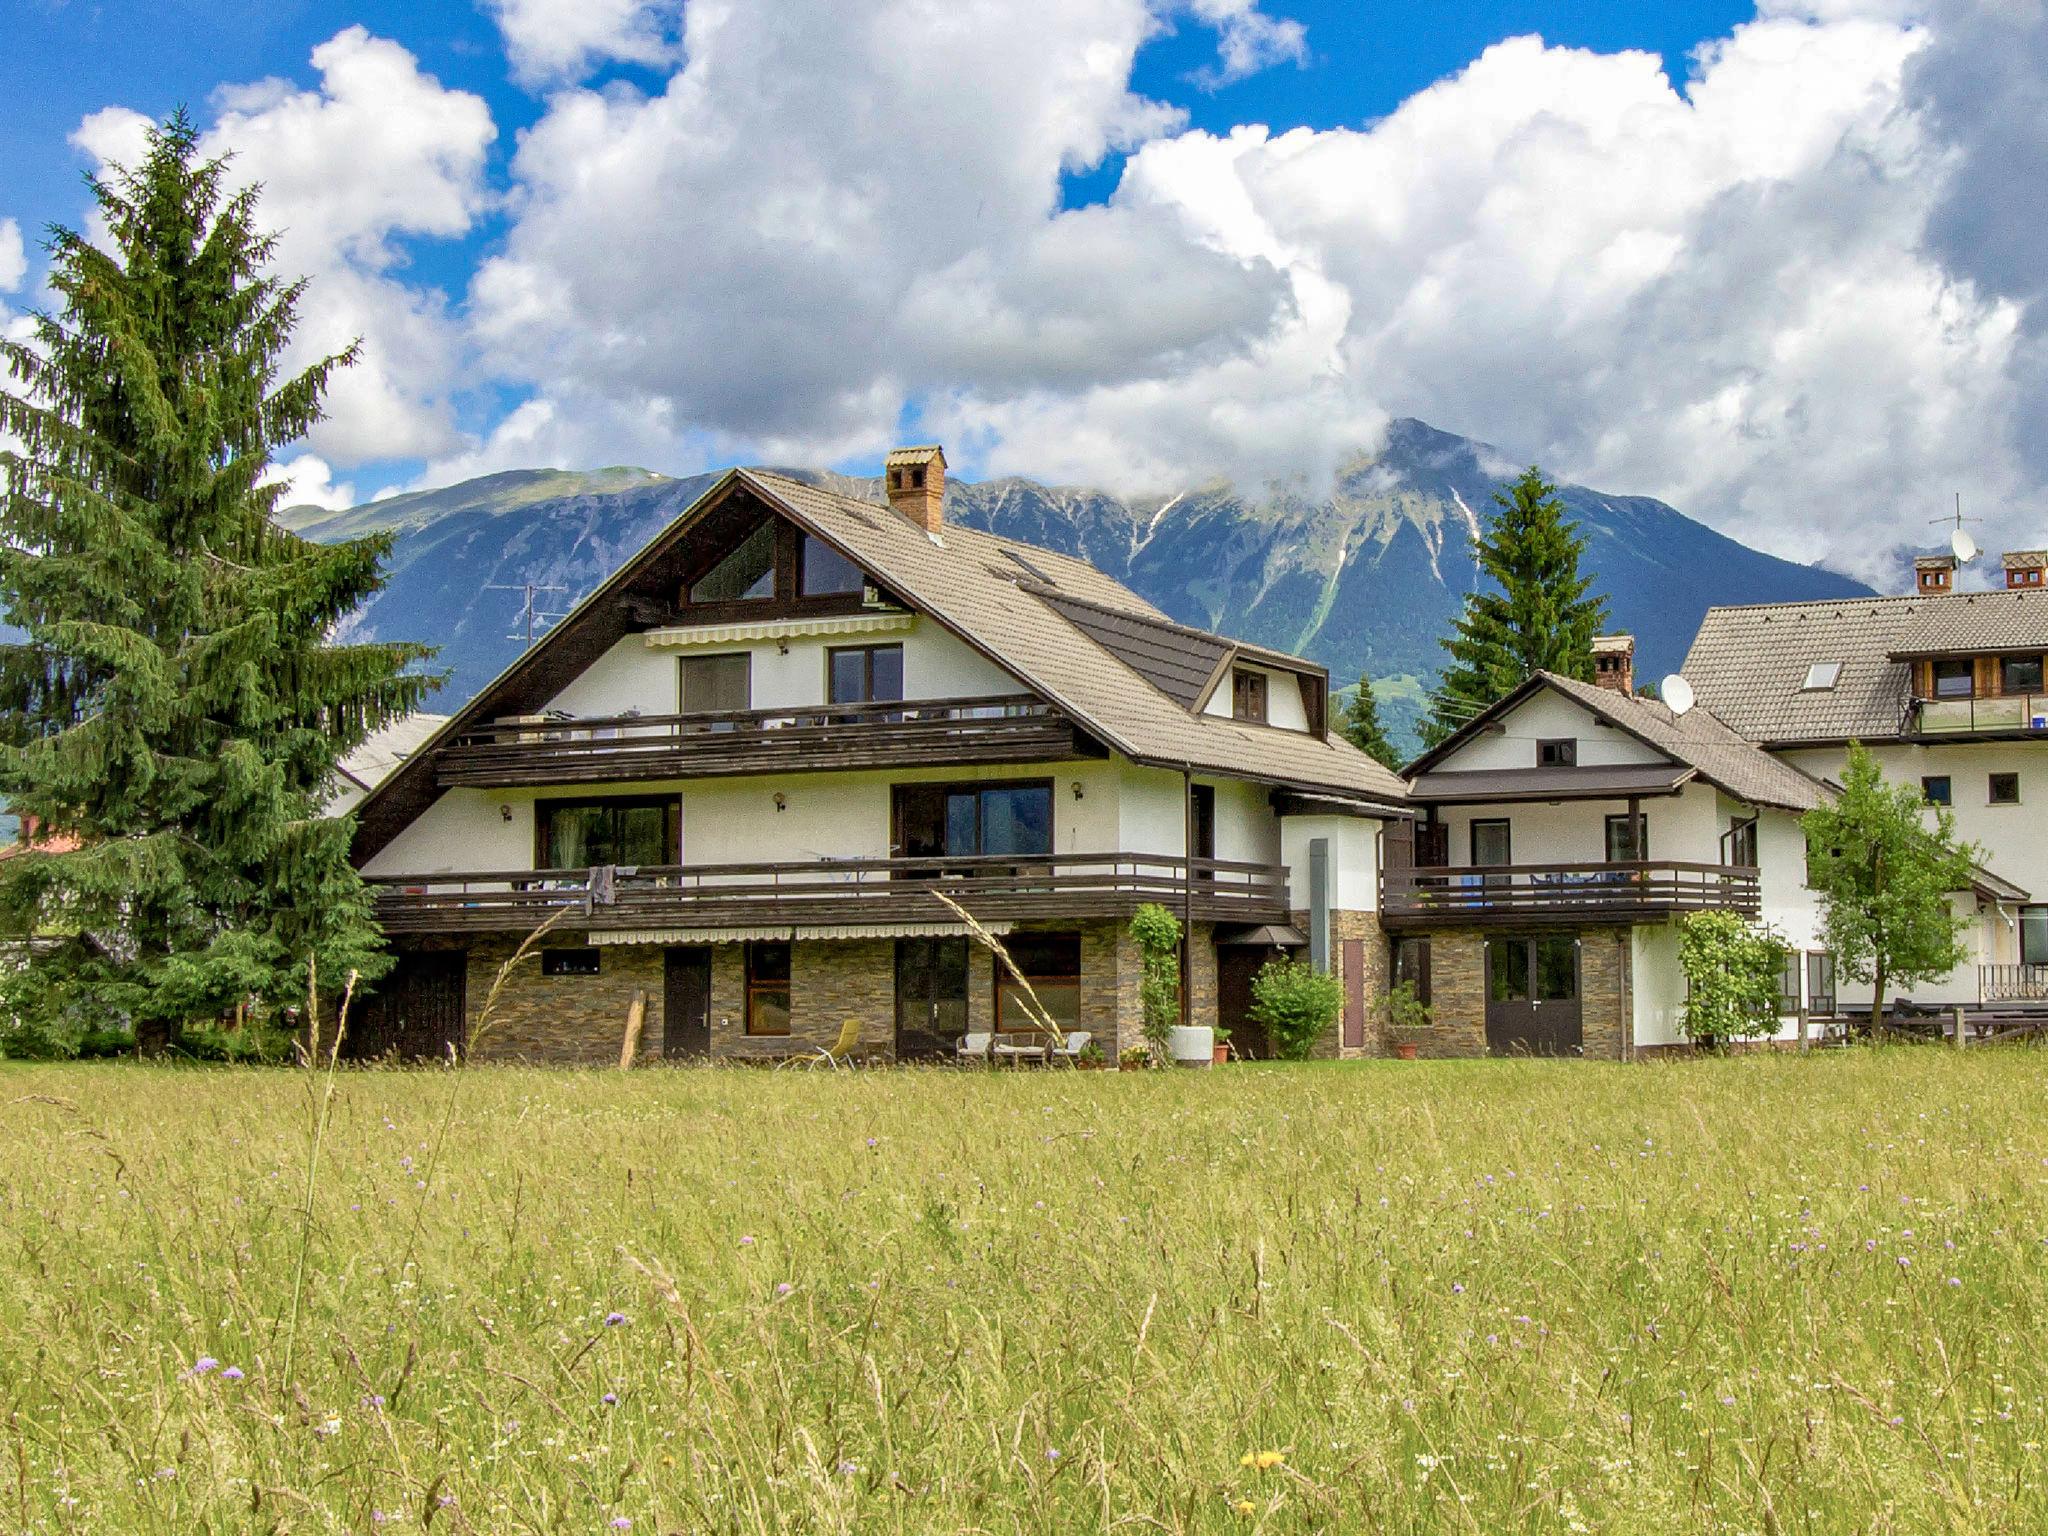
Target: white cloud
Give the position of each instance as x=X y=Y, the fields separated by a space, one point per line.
x=309 y=482
x=554 y=40
x=13 y=257
x=376 y=154
x=1248 y=40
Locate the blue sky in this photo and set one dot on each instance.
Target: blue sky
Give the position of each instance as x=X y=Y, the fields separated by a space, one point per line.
x=1128 y=242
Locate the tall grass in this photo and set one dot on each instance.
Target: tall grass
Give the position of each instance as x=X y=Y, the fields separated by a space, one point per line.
x=1767 y=1295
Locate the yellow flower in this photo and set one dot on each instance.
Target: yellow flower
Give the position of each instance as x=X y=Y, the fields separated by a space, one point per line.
x=1243 y=1506
x=1267 y=1460
x=1247 y=1460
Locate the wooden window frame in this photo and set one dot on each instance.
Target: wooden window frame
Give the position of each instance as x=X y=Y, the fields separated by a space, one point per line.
x=1820 y=960
x=756 y=988
x=1003 y=982
x=1948 y=789
x=973 y=786
x=1416 y=945
x=867 y=655
x=1621 y=819
x=545 y=808
x=1934 y=669
x=1249 y=689
x=1505 y=823
x=2006 y=689
x=802 y=593
x=1565 y=749
x=725 y=527
x=1991 y=785
x=1742 y=829
x=1794 y=970
x=682 y=670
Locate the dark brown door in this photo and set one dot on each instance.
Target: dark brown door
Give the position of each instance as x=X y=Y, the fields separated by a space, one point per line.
x=1354 y=993
x=686 y=1001
x=1236 y=965
x=1532 y=996
x=931 y=996
x=416 y=1011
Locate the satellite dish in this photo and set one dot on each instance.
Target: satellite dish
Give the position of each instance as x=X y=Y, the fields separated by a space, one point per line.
x=1964 y=546
x=1676 y=693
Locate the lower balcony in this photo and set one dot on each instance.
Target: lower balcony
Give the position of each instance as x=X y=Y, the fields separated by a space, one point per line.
x=2012 y=983
x=1571 y=895
x=832 y=892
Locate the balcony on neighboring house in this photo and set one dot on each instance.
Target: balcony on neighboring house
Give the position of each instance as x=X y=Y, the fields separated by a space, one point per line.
x=1572 y=895
x=545 y=749
x=2005 y=714
x=830 y=893
x=1955 y=695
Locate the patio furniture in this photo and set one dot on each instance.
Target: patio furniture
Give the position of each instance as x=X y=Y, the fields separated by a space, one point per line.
x=840 y=1053
x=1024 y=1046
x=974 y=1045
x=1070 y=1048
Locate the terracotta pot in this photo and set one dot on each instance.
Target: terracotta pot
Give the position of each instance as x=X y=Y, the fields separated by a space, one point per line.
x=1405 y=1049
x=1222 y=1055
x=1130 y=1066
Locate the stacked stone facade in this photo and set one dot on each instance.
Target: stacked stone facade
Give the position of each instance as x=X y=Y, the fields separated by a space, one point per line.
x=1457 y=973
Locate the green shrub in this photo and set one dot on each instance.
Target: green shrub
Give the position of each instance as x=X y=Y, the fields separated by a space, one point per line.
x=1405 y=1008
x=1157 y=933
x=1297 y=1004
x=1731 y=970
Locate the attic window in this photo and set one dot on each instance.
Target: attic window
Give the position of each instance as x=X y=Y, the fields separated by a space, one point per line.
x=1821 y=676
x=747 y=574
x=1011 y=554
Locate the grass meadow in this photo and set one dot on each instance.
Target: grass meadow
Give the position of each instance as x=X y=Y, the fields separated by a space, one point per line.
x=1758 y=1295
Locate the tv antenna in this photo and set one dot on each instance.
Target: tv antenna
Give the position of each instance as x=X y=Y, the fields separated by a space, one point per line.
x=1960 y=543
x=529 y=611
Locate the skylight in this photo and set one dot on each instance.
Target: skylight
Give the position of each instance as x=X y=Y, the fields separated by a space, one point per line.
x=1822 y=675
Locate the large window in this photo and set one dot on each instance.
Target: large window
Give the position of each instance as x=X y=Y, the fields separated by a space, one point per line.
x=1248 y=696
x=1492 y=843
x=865 y=674
x=1740 y=844
x=1628 y=838
x=1051 y=963
x=2034 y=935
x=1954 y=679
x=768 y=988
x=579 y=834
x=822 y=571
x=1820 y=982
x=1411 y=964
x=2019 y=674
x=1788 y=984
x=747 y=574
x=717 y=685
x=963 y=820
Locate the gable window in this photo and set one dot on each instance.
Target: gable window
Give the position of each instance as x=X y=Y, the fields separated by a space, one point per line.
x=717 y=685
x=568 y=962
x=968 y=820
x=1051 y=963
x=1936 y=789
x=1248 y=696
x=864 y=674
x=1821 y=676
x=1492 y=843
x=1954 y=679
x=2019 y=674
x=580 y=834
x=745 y=575
x=1563 y=753
x=2004 y=789
x=768 y=988
x=1628 y=838
x=823 y=571
x=1740 y=843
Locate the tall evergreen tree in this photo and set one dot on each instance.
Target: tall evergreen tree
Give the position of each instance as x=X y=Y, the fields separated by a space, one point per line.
x=1360 y=724
x=174 y=707
x=1536 y=616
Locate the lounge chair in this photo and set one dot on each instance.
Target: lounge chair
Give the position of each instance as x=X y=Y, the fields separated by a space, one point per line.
x=1071 y=1047
x=841 y=1052
x=974 y=1045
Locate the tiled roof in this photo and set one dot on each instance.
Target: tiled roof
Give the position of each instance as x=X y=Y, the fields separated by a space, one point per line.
x=954 y=577
x=1179 y=662
x=1749 y=665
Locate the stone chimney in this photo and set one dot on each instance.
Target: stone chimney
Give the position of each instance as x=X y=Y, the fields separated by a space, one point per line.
x=916 y=481
x=1935 y=575
x=1614 y=662
x=2026 y=568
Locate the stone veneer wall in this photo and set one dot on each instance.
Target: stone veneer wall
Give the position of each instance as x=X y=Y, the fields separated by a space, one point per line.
x=1348 y=923
x=1457 y=975
x=561 y=1020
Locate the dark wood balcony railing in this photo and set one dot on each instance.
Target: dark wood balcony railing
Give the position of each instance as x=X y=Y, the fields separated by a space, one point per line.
x=2019 y=712
x=1528 y=894
x=832 y=891
x=614 y=748
x=2012 y=983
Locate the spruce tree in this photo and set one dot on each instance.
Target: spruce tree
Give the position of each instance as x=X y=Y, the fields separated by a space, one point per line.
x=174 y=707
x=1535 y=616
x=1360 y=724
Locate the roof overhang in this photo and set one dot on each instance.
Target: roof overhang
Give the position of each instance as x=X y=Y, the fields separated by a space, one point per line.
x=1496 y=786
x=1994 y=887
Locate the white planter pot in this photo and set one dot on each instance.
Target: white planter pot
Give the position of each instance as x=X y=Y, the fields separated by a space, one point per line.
x=1191 y=1045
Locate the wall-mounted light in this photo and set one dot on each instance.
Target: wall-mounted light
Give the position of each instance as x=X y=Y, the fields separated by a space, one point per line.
x=781 y=647
x=504 y=813
x=781 y=801
x=1077 y=789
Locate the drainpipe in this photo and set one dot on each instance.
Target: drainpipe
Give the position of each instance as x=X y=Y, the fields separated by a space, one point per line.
x=1187 y=892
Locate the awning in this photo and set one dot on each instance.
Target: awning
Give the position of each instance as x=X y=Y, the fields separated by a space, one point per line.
x=1606 y=781
x=1993 y=887
x=1265 y=936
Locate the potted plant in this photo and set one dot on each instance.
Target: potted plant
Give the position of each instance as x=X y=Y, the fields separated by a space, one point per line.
x=1222 y=1043
x=1090 y=1058
x=1134 y=1058
x=1407 y=1016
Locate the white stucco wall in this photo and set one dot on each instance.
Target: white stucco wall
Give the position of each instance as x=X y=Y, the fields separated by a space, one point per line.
x=1681 y=826
x=1283 y=697
x=1546 y=716
x=635 y=675
x=1354 y=860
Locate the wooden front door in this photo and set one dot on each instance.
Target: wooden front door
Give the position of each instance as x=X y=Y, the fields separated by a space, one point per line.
x=1532 y=996
x=686 y=1001
x=416 y=1012
x=931 y=996
x=1236 y=965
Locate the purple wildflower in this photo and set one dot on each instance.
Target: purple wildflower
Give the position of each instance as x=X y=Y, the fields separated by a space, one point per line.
x=610 y=1399
x=622 y=1522
x=232 y=1373
x=747 y=1241
x=783 y=1288
x=614 y=1319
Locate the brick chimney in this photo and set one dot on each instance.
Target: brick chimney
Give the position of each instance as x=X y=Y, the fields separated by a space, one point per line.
x=916 y=481
x=1935 y=575
x=2026 y=568
x=1614 y=662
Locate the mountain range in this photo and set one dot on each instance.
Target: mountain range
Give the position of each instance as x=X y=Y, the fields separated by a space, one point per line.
x=1365 y=578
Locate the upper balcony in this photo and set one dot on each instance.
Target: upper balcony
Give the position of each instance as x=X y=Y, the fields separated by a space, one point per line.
x=542 y=750
x=1998 y=714
x=1566 y=895
x=832 y=892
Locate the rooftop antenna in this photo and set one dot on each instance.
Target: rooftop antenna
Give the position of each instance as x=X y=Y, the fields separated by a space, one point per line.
x=529 y=610
x=1959 y=541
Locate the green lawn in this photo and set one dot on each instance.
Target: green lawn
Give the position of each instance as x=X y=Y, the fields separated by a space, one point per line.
x=1758 y=1295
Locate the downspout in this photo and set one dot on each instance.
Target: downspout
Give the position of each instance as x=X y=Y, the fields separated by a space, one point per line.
x=1187 y=892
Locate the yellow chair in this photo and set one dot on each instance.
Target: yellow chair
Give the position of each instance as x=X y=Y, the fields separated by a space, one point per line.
x=841 y=1053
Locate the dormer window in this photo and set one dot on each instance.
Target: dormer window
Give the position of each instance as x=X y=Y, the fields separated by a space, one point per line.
x=1248 y=696
x=1562 y=753
x=1822 y=676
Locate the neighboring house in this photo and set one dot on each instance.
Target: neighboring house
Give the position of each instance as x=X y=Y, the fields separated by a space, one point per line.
x=735 y=776
x=1945 y=688
x=1560 y=833
x=378 y=758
